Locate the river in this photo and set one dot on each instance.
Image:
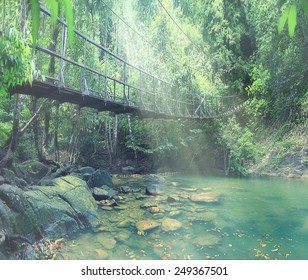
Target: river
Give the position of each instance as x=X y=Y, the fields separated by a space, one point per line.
x=254 y=219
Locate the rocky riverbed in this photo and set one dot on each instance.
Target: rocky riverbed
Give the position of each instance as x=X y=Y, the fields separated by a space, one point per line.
x=37 y=215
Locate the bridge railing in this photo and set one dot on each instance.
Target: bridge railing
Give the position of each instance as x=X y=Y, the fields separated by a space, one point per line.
x=92 y=69
x=89 y=68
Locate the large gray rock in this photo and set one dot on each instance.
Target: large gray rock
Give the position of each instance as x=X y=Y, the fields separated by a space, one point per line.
x=100 y=178
x=49 y=212
x=86 y=170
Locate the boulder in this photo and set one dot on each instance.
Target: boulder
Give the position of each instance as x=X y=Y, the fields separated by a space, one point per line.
x=100 y=178
x=104 y=192
x=170 y=225
x=100 y=194
x=63 y=171
x=86 y=170
x=125 y=189
x=205 y=197
x=33 y=169
x=155 y=190
x=146 y=225
x=49 y=212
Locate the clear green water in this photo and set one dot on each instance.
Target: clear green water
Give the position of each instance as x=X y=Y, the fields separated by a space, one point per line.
x=254 y=219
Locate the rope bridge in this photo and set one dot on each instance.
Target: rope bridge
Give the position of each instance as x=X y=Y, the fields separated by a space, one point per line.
x=90 y=75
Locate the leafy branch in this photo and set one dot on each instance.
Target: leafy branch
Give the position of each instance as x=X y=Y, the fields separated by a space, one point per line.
x=290 y=15
x=56 y=7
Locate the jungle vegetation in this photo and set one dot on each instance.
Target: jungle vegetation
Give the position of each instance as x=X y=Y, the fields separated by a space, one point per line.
x=255 y=50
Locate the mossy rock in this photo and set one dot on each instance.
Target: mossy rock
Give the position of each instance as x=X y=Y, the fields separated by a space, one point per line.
x=50 y=212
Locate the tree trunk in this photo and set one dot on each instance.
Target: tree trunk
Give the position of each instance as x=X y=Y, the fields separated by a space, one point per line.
x=35 y=128
x=55 y=139
x=111 y=138
x=47 y=117
x=72 y=150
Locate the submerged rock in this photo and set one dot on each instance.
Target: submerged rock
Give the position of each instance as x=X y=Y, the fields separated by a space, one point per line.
x=174 y=184
x=148 y=204
x=173 y=198
x=101 y=254
x=146 y=225
x=170 y=225
x=122 y=235
x=174 y=213
x=207 y=240
x=108 y=242
x=124 y=224
x=205 y=197
x=154 y=210
x=154 y=190
x=203 y=216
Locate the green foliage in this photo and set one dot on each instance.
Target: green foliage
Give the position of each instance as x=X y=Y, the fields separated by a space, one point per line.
x=290 y=15
x=63 y=6
x=257 y=90
x=15 y=61
x=5 y=130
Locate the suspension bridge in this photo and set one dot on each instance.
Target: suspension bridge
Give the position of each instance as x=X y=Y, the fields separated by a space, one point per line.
x=90 y=75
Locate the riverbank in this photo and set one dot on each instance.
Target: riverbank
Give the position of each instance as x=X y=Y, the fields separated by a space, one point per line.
x=283 y=153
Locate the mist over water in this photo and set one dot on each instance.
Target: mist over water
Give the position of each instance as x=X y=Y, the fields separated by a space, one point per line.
x=253 y=219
